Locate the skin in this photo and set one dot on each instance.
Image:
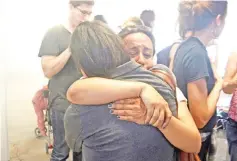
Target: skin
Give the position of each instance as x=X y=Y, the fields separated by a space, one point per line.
x=231 y=74
x=140 y=48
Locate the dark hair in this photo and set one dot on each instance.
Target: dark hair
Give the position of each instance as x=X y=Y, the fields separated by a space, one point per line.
x=196 y=15
x=96 y=49
x=76 y=3
x=100 y=18
x=148 y=16
x=138 y=29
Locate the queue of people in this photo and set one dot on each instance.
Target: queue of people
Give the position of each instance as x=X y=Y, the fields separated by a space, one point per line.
x=111 y=102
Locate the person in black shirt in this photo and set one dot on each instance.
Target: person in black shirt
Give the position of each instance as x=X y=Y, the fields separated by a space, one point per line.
x=100 y=18
x=59 y=68
x=192 y=66
x=148 y=18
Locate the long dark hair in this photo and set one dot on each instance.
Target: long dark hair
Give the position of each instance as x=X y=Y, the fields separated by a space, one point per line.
x=96 y=49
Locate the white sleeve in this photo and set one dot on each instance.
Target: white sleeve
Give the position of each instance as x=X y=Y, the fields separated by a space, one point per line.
x=180 y=96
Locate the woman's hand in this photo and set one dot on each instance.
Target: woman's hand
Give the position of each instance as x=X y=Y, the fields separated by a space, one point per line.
x=130 y=110
x=154 y=111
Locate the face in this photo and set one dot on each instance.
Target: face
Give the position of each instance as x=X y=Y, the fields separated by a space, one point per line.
x=140 y=48
x=80 y=13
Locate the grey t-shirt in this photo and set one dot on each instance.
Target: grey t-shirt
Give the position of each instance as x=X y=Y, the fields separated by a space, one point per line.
x=105 y=138
x=55 y=41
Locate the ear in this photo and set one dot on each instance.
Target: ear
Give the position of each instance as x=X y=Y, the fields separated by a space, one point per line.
x=218 y=20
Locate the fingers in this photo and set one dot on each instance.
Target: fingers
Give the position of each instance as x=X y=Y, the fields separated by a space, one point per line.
x=149 y=115
x=126 y=118
x=159 y=122
x=155 y=117
x=123 y=113
x=168 y=116
x=127 y=101
x=122 y=107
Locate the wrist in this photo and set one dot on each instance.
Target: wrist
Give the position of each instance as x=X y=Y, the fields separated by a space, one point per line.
x=219 y=87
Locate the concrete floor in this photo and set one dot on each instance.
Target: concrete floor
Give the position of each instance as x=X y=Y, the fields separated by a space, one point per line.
x=23 y=144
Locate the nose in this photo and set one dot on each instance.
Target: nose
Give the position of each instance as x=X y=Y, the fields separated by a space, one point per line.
x=140 y=59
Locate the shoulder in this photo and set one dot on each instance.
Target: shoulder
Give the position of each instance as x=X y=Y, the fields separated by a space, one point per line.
x=54 y=31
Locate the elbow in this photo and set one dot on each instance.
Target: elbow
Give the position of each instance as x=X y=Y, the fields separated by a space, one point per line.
x=74 y=96
x=196 y=144
x=70 y=95
x=47 y=74
x=200 y=121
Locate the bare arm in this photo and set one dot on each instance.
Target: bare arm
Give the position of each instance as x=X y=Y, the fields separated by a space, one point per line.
x=231 y=74
x=86 y=91
x=107 y=91
x=182 y=132
x=202 y=106
x=51 y=65
x=81 y=93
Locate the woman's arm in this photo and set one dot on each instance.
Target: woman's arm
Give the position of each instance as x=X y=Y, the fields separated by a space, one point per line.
x=95 y=91
x=202 y=106
x=182 y=132
x=87 y=92
x=231 y=74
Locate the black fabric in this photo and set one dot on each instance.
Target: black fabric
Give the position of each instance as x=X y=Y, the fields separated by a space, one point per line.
x=55 y=41
x=163 y=56
x=204 y=149
x=192 y=63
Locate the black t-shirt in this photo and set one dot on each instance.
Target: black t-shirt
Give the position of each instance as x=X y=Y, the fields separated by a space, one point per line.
x=192 y=63
x=163 y=56
x=55 y=41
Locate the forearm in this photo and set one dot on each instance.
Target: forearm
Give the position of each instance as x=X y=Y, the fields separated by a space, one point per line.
x=183 y=136
x=54 y=65
x=212 y=100
x=231 y=85
x=96 y=91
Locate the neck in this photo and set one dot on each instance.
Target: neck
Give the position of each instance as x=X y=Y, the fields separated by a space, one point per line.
x=70 y=26
x=204 y=36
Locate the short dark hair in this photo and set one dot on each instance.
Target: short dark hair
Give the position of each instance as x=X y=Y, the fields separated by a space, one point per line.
x=100 y=18
x=96 y=49
x=138 y=29
x=75 y=3
x=196 y=15
x=148 y=16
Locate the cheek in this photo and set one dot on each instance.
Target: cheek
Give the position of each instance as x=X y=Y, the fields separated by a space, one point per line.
x=136 y=58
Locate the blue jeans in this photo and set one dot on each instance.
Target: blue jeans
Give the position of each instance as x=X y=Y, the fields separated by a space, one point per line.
x=231 y=134
x=60 y=147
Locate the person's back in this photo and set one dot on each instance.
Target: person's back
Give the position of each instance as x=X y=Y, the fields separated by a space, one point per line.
x=105 y=138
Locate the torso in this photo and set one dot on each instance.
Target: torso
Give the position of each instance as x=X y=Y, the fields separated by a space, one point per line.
x=59 y=83
x=105 y=138
x=182 y=56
